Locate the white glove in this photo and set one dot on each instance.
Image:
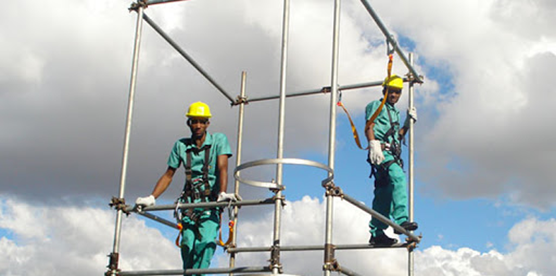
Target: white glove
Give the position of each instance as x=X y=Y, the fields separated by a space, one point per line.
x=375 y=152
x=411 y=113
x=146 y=201
x=222 y=196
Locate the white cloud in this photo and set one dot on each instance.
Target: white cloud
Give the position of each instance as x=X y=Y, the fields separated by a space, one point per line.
x=67 y=83
x=67 y=240
x=76 y=240
x=498 y=70
x=303 y=224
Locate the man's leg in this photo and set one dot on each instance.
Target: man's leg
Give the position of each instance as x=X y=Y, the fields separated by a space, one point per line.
x=382 y=202
x=187 y=244
x=399 y=193
x=205 y=246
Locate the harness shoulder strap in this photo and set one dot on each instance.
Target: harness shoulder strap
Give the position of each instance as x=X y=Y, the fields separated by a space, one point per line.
x=395 y=147
x=188 y=173
x=206 y=163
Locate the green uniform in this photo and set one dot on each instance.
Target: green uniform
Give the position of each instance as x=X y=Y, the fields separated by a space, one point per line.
x=200 y=229
x=390 y=194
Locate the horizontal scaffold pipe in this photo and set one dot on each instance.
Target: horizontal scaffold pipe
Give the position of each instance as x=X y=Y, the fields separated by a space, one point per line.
x=186 y=56
x=320 y=91
x=392 y=41
x=346 y=271
x=154 y=2
x=312 y=247
x=203 y=205
x=380 y=217
x=159 y=219
x=198 y=271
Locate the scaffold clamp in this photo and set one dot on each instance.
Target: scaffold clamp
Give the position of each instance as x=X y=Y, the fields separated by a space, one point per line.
x=412 y=244
x=326 y=89
x=275 y=258
x=136 y=5
x=240 y=100
x=119 y=204
x=330 y=263
x=281 y=198
x=113 y=264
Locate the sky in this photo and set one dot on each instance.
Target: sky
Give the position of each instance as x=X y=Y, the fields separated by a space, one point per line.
x=484 y=146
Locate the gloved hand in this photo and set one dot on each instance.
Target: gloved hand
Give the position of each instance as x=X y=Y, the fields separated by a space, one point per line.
x=222 y=196
x=375 y=152
x=146 y=201
x=411 y=113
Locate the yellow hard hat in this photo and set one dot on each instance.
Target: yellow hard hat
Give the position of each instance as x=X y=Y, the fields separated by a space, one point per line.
x=198 y=109
x=393 y=82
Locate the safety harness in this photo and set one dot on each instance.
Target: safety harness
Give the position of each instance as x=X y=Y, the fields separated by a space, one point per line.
x=192 y=192
x=395 y=148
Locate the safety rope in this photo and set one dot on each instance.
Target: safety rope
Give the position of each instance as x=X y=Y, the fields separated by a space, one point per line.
x=230 y=234
x=230 y=228
x=180 y=228
x=376 y=113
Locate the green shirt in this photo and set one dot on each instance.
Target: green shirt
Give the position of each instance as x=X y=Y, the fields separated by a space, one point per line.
x=219 y=146
x=382 y=122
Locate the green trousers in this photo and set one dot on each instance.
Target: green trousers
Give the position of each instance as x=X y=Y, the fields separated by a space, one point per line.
x=390 y=196
x=199 y=239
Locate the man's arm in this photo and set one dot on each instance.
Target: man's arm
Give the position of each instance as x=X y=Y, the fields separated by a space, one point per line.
x=369 y=131
x=403 y=131
x=222 y=165
x=411 y=115
x=163 y=182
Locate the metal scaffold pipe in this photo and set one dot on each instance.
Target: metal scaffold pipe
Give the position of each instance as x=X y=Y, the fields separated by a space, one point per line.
x=114 y=256
x=197 y=271
x=391 y=40
x=275 y=255
x=238 y=160
x=411 y=171
x=187 y=57
x=154 y=2
x=328 y=252
x=206 y=205
x=312 y=247
x=380 y=217
x=346 y=271
x=323 y=90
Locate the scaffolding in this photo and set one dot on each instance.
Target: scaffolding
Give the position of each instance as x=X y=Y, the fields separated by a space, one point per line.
x=331 y=189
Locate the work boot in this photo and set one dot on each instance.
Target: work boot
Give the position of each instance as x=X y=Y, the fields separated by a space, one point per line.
x=382 y=240
x=409 y=226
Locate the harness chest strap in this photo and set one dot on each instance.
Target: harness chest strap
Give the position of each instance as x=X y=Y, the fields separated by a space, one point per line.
x=189 y=187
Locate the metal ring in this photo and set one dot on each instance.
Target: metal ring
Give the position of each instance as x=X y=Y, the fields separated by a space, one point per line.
x=291 y=161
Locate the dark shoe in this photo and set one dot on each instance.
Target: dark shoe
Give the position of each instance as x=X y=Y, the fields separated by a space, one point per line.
x=382 y=240
x=409 y=226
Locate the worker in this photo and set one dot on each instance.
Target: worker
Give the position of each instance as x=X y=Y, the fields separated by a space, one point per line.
x=384 y=135
x=205 y=159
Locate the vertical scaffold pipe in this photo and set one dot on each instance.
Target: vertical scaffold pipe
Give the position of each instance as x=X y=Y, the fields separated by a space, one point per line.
x=411 y=160
x=275 y=256
x=332 y=134
x=133 y=81
x=238 y=161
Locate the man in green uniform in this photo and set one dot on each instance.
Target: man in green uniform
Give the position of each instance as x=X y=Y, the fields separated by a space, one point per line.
x=205 y=159
x=390 y=193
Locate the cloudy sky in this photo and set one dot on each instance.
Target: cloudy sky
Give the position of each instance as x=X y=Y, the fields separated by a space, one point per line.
x=484 y=151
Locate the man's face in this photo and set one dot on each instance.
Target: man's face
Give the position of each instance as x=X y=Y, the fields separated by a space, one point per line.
x=394 y=95
x=198 y=126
